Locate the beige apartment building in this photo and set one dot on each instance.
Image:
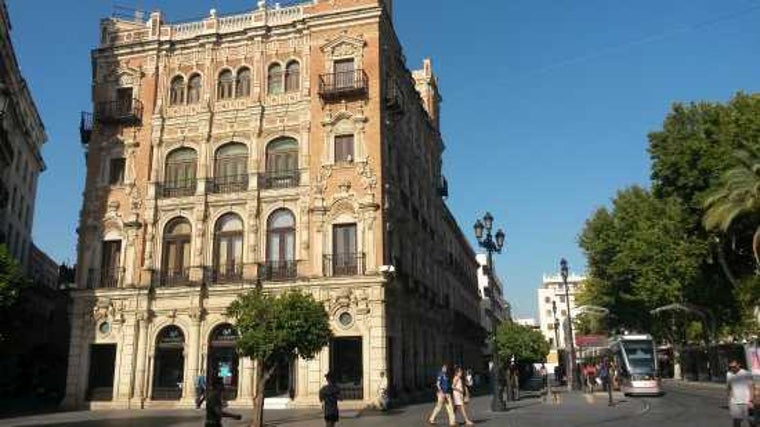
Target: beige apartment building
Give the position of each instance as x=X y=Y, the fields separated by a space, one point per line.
x=285 y=147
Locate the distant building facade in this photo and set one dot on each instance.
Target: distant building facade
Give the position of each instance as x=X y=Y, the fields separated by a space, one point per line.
x=42 y=269
x=494 y=309
x=21 y=137
x=528 y=321
x=552 y=291
x=288 y=147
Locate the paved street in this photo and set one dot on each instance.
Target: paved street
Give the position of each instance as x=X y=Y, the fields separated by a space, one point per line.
x=683 y=405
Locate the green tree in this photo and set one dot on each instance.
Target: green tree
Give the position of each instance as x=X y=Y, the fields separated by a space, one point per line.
x=11 y=279
x=273 y=329
x=527 y=345
x=640 y=256
x=737 y=197
x=689 y=156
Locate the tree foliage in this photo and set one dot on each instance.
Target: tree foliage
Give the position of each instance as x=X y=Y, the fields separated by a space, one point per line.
x=280 y=328
x=527 y=345
x=640 y=256
x=737 y=197
x=11 y=279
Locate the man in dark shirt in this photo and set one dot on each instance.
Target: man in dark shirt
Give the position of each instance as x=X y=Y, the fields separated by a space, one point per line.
x=443 y=398
x=214 y=404
x=329 y=396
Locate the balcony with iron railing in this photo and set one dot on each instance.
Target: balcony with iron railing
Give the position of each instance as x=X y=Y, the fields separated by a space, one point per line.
x=343 y=264
x=227 y=273
x=85 y=127
x=278 y=271
x=172 y=277
x=229 y=184
x=344 y=84
x=125 y=112
x=280 y=179
x=104 y=279
x=178 y=188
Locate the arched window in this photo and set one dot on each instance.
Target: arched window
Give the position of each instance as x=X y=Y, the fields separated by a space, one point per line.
x=169 y=364
x=292 y=76
x=223 y=358
x=177 y=91
x=175 y=265
x=194 y=86
x=281 y=245
x=224 y=85
x=179 y=176
x=243 y=83
x=274 y=79
x=230 y=168
x=228 y=248
x=282 y=163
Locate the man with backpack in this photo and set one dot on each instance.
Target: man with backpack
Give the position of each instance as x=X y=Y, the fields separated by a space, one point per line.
x=443 y=398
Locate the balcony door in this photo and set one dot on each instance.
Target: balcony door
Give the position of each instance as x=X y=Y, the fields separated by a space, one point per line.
x=281 y=244
x=179 y=178
x=344 y=73
x=124 y=100
x=109 y=265
x=228 y=260
x=344 y=262
x=176 y=254
x=282 y=163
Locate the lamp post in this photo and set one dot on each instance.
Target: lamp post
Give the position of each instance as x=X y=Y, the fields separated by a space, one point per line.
x=569 y=338
x=492 y=243
x=556 y=328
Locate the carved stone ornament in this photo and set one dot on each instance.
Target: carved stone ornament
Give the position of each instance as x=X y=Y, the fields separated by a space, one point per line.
x=103 y=309
x=343 y=46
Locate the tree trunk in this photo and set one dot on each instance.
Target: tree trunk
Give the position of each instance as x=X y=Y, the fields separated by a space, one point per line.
x=756 y=249
x=261 y=376
x=724 y=263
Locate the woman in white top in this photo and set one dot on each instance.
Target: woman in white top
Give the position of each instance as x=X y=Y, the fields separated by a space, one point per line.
x=459 y=393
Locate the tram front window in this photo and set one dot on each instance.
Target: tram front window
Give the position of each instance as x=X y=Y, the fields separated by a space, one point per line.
x=640 y=355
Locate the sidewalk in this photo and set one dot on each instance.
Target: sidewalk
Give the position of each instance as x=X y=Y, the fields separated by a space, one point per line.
x=670 y=382
x=526 y=412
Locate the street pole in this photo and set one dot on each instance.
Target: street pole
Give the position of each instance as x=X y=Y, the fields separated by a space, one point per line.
x=492 y=245
x=571 y=380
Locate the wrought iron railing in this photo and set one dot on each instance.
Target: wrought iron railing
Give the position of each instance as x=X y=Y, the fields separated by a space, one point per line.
x=227 y=273
x=343 y=264
x=126 y=112
x=173 y=277
x=108 y=278
x=280 y=179
x=343 y=84
x=229 y=183
x=278 y=270
x=179 y=188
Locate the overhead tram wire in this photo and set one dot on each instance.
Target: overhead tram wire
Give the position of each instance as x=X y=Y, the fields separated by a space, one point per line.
x=651 y=38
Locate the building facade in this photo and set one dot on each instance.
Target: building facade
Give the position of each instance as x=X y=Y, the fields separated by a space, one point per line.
x=286 y=147
x=552 y=309
x=21 y=137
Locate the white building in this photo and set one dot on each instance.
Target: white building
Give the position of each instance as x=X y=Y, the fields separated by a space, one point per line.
x=529 y=322
x=551 y=293
x=492 y=302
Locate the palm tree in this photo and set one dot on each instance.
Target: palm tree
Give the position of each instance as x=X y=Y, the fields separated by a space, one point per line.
x=738 y=196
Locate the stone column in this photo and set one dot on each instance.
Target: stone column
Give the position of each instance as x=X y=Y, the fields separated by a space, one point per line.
x=245 y=380
x=192 y=354
x=142 y=349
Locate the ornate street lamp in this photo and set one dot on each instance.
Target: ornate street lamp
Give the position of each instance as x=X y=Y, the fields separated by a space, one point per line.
x=492 y=244
x=571 y=377
x=556 y=328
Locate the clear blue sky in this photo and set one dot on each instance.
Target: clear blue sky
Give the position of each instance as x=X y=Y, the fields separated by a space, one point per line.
x=547 y=103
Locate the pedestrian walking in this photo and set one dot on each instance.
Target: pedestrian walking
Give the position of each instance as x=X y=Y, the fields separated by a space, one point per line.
x=329 y=395
x=741 y=392
x=215 y=404
x=382 y=392
x=459 y=388
x=200 y=390
x=544 y=374
x=591 y=377
x=443 y=398
x=605 y=373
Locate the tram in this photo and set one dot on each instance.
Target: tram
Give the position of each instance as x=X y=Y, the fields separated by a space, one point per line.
x=635 y=361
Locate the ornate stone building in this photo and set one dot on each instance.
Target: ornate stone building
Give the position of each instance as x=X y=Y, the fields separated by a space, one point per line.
x=286 y=147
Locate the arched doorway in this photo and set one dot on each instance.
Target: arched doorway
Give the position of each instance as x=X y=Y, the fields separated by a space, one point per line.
x=223 y=358
x=169 y=364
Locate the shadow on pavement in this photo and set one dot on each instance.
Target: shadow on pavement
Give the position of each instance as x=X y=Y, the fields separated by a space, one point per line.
x=127 y=422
